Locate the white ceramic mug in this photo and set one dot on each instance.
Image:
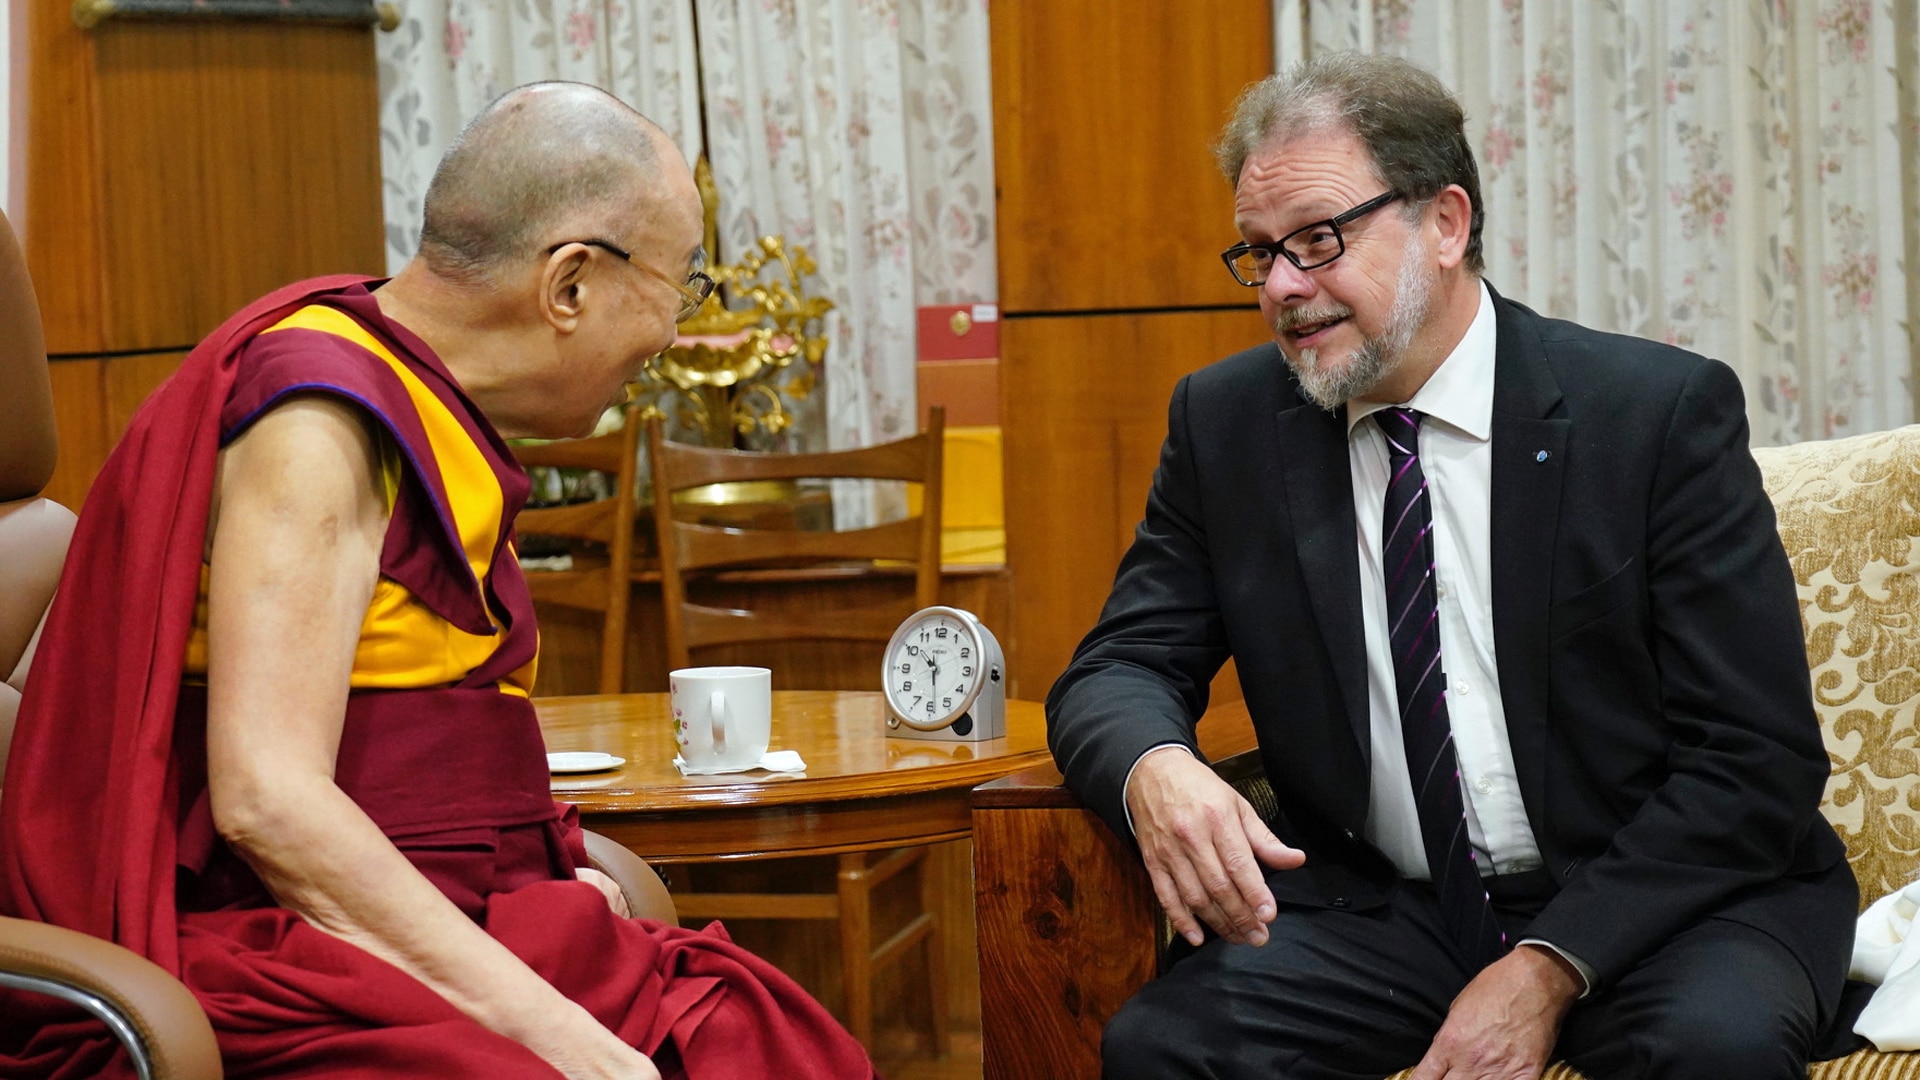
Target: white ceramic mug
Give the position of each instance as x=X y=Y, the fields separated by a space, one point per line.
x=722 y=716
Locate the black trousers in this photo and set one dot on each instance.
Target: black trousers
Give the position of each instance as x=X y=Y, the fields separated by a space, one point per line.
x=1358 y=995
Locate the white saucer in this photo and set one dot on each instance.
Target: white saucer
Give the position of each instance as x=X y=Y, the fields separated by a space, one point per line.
x=579 y=761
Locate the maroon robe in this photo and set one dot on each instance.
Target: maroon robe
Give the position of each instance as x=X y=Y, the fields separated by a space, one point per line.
x=104 y=825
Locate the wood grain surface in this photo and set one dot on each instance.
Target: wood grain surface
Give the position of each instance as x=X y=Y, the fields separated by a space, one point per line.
x=1084 y=410
x=861 y=791
x=1104 y=112
x=1066 y=917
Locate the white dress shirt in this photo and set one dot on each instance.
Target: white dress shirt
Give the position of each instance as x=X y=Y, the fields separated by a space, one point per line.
x=1456 y=455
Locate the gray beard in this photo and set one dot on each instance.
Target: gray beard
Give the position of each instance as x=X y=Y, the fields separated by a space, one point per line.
x=1377 y=356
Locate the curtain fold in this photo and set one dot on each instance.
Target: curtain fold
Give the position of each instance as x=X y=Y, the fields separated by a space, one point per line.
x=1740 y=179
x=858 y=129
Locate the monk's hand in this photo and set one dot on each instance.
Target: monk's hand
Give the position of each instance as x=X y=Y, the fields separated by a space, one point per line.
x=598 y=1055
x=1504 y=1024
x=1204 y=847
x=616 y=896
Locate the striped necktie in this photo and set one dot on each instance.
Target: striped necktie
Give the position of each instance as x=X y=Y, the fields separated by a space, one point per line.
x=1414 y=633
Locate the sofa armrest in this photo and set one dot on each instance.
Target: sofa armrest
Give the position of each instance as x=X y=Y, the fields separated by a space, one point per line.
x=158 y=1009
x=647 y=895
x=1068 y=924
x=1066 y=927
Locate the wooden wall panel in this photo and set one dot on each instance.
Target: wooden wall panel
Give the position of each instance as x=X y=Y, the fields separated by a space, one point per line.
x=61 y=228
x=176 y=171
x=128 y=380
x=240 y=157
x=93 y=400
x=1112 y=217
x=79 y=416
x=1104 y=112
x=1084 y=402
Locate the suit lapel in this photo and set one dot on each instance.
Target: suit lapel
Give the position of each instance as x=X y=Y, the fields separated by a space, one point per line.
x=1319 y=501
x=1529 y=458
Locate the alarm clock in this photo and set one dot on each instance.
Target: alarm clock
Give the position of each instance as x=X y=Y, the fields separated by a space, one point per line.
x=944 y=677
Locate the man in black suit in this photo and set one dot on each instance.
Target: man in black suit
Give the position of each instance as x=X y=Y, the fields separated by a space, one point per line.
x=1506 y=600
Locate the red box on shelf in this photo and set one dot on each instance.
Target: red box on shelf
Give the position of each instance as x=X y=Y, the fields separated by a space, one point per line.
x=959 y=332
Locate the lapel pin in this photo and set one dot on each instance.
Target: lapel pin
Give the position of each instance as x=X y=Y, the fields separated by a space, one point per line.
x=1541 y=456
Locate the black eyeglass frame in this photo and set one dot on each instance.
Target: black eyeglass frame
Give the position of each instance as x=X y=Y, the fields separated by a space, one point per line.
x=693 y=292
x=1279 y=247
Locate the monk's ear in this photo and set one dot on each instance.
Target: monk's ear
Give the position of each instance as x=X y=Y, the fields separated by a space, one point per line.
x=1453 y=221
x=563 y=286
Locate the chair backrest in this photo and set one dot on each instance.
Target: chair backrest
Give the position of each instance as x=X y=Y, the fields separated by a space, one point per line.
x=27 y=443
x=1849 y=512
x=690 y=549
x=607 y=521
x=33 y=531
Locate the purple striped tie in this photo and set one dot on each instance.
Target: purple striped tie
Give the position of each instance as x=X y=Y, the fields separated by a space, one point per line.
x=1414 y=632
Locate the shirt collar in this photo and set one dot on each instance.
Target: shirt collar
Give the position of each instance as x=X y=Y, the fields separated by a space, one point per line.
x=1459 y=393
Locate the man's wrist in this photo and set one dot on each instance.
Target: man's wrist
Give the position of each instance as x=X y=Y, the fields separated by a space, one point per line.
x=1561 y=979
x=1126 y=786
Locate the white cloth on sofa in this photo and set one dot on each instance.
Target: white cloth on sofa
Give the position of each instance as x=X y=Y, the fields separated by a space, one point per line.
x=1886 y=951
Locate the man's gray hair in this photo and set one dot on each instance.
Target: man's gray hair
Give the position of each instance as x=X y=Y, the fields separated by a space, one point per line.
x=538 y=160
x=1411 y=125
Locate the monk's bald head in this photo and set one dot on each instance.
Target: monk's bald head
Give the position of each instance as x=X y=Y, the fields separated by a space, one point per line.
x=539 y=164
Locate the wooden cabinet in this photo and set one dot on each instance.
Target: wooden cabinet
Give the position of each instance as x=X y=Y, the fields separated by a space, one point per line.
x=175 y=171
x=1112 y=216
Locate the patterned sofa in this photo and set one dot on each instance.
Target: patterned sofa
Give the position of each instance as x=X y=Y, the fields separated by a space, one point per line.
x=1067 y=920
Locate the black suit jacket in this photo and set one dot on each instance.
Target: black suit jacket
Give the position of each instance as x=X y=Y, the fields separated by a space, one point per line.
x=1646 y=630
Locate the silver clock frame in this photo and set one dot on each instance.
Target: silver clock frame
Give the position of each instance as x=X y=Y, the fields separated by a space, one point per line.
x=985 y=706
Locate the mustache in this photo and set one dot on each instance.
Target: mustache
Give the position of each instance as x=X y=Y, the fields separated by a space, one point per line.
x=1291 y=319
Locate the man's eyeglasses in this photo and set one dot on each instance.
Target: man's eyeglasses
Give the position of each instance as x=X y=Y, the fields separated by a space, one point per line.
x=693 y=292
x=1307 y=248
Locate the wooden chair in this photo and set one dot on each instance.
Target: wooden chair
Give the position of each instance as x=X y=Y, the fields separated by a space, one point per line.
x=690 y=550
x=597 y=582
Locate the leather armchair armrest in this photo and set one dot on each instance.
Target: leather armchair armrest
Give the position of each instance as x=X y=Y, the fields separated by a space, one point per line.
x=159 y=1009
x=646 y=894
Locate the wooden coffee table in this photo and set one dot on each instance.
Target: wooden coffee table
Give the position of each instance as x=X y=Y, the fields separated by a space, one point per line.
x=862 y=790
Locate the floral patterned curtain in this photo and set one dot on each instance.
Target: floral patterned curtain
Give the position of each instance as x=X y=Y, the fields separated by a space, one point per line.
x=1740 y=178
x=859 y=129
x=448 y=58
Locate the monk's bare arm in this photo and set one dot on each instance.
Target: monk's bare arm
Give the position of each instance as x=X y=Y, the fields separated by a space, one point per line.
x=296 y=554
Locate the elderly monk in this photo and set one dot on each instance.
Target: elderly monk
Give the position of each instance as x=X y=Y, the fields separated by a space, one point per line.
x=280 y=740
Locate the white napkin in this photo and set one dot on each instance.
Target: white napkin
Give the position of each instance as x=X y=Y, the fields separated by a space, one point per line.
x=775 y=761
x=1887 y=951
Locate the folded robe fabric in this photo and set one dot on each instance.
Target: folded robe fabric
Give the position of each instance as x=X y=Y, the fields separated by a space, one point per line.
x=104 y=787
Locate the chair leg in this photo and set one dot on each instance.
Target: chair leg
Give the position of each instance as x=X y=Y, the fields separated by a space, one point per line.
x=856 y=935
x=936 y=942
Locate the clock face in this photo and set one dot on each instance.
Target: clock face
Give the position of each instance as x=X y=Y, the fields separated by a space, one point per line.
x=934 y=669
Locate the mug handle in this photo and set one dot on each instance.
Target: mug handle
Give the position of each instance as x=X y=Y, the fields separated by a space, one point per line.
x=717 y=712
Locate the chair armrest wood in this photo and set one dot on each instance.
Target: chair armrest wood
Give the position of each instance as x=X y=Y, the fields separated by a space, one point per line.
x=1069 y=928
x=174 y=1031
x=647 y=895
x=1066 y=927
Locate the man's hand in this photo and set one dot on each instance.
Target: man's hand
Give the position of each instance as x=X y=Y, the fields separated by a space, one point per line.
x=609 y=888
x=1504 y=1024
x=1204 y=846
